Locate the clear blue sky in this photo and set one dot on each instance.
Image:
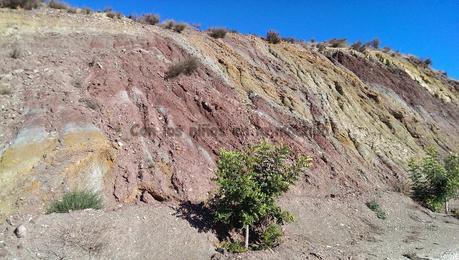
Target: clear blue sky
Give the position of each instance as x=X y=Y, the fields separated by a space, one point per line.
x=420 y=27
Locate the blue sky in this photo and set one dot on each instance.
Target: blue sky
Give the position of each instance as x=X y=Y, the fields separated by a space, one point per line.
x=423 y=28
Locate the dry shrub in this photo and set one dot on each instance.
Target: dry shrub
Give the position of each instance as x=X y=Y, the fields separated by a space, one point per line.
x=151 y=19
x=358 y=46
x=337 y=43
x=186 y=67
x=5 y=90
x=24 y=4
x=217 y=33
x=72 y=11
x=86 y=11
x=373 y=43
x=179 y=27
x=16 y=53
x=113 y=15
x=172 y=25
x=273 y=37
x=57 y=5
x=289 y=39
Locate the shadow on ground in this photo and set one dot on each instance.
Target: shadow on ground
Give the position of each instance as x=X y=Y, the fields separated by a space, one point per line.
x=200 y=217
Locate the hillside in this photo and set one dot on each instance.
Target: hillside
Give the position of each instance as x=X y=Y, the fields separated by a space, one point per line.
x=74 y=101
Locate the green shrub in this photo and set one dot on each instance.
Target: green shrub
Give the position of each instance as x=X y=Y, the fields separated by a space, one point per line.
x=187 y=67
x=24 y=4
x=434 y=183
x=234 y=247
x=249 y=184
x=271 y=236
x=76 y=201
x=273 y=37
x=217 y=33
x=57 y=5
x=374 y=206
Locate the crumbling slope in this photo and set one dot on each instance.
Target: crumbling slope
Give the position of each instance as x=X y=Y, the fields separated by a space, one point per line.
x=85 y=85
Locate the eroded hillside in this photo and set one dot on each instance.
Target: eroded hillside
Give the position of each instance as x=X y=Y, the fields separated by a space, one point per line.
x=85 y=85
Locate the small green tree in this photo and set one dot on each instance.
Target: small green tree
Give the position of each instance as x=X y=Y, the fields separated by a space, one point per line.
x=249 y=183
x=434 y=183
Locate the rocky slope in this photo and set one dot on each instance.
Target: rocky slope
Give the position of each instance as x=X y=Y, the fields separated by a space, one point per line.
x=73 y=106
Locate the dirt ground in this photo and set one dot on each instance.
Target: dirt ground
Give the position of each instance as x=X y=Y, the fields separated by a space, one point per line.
x=347 y=229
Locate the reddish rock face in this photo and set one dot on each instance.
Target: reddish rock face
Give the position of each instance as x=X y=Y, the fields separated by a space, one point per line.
x=360 y=116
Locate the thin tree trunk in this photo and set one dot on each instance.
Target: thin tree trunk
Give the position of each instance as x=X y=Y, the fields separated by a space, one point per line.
x=247 y=237
x=446 y=207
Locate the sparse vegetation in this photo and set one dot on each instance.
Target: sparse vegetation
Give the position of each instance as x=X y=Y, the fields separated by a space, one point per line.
x=374 y=206
x=217 y=33
x=57 y=5
x=24 y=4
x=179 y=27
x=373 y=43
x=86 y=11
x=16 y=53
x=273 y=37
x=113 y=15
x=234 y=247
x=358 y=46
x=337 y=43
x=289 y=39
x=249 y=183
x=434 y=182
x=172 y=25
x=76 y=201
x=150 y=19
x=5 y=90
x=186 y=67
x=71 y=10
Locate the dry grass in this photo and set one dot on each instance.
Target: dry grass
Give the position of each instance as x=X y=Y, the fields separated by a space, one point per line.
x=186 y=67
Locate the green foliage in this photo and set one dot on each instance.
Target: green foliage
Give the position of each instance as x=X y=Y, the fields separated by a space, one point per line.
x=250 y=181
x=434 y=182
x=271 y=236
x=234 y=247
x=374 y=206
x=76 y=201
